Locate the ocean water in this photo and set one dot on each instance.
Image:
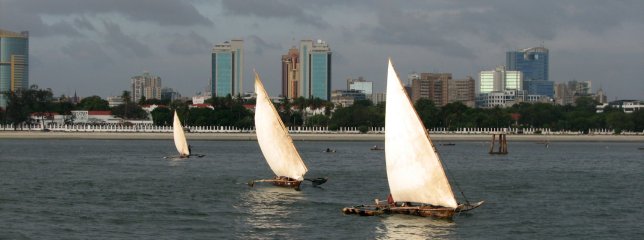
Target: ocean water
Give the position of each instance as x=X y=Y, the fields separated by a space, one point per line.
x=126 y=189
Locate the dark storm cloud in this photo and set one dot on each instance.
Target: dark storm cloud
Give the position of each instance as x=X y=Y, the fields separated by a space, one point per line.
x=443 y=26
x=14 y=21
x=124 y=44
x=274 y=9
x=413 y=28
x=88 y=52
x=261 y=45
x=189 y=44
x=162 y=12
x=83 y=23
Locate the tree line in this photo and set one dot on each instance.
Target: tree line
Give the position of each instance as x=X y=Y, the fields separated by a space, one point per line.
x=363 y=114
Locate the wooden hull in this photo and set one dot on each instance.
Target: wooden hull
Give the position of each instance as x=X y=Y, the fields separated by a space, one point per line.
x=288 y=183
x=423 y=211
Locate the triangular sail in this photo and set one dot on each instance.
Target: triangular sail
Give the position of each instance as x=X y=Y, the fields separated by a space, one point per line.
x=274 y=140
x=414 y=170
x=179 y=136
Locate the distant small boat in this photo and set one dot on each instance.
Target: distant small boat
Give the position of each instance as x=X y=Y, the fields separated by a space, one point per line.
x=417 y=180
x=180 y=141
x=447 y=144
x=276 y=144
x=376 y=148
x=328 y=150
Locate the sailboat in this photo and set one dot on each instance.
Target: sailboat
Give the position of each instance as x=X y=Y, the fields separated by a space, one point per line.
x=417 y=180
x=276 y=144
x=180 y=139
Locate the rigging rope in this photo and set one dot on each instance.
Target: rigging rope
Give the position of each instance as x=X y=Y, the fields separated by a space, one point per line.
x=450 y=174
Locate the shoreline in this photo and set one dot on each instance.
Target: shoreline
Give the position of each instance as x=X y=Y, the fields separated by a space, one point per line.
x=308 y=136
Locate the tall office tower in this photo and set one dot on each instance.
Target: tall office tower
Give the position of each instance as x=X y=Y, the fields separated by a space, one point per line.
x=500 y=79
x=360 y=84
x=533 y=63
x=462 y=90
x=291 y=74
x=432 y=86
x=227 y=68
x=315 y=73
x=146 y=85
x=169 y=94
x=14 y=63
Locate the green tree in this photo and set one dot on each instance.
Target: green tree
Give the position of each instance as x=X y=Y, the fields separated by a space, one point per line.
x=428 y=112
x=318 y=120
x=162 y=116
x=93 y=103
x=619 y=121
x=16 y=112
x=638 y=120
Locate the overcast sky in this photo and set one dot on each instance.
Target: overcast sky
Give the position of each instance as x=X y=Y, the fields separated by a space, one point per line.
x=94 y=47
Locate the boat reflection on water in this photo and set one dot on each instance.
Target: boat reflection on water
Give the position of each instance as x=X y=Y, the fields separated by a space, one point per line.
x=399 y=226
x=266 y=213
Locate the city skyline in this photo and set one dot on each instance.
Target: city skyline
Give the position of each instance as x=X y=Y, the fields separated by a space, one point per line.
x=94 y=47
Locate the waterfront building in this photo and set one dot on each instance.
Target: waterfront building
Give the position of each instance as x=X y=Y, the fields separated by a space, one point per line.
x=508 y=98
x=567 y=93
x=227 y=68
x=346 y=98
x=600 y=96
x=146 y=85
x=432 y=86
x=291 y=74
x=377 y=98
x=360 y=84
x=462 y=90
x=411 y=77
x=628 y=106
x=500 y=79
x=114 y=101
x=14 y=63
x=498 y=99
x=169 y=94
x=315 y=73
x=534 y=64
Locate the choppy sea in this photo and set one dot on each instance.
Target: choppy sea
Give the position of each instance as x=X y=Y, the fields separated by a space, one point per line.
x=126 y=189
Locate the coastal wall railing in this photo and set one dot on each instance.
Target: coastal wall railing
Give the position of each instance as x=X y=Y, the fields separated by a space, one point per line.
x=148 y=128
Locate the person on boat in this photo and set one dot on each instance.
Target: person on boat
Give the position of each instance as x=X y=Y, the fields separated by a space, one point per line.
x=390 y=200
x=328 y=150
x=189 y=150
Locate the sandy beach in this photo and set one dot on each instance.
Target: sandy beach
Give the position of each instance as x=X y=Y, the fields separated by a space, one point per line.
x=309 y=137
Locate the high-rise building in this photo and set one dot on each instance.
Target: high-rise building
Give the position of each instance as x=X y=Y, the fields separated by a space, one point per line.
x=500 y=79
x=360 y=84
x=432 y=86
x=291 y=74
x=534 y=64
x=146 y=85
x=227 y=68
x=14 y=63
x=315 y=73
x=462 y=90
x=567 y=93
x=169 y=94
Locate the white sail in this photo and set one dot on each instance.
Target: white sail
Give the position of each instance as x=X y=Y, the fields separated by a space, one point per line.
x=414 y=170
x=274 y=140
x=179 y=136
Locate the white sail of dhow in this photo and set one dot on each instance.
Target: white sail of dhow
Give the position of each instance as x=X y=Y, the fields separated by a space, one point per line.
x=274 y=140
x=179 y=137
x=414 y=170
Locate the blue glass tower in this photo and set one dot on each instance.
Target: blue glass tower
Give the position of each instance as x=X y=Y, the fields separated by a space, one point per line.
x=14 y=63
x=533 y=63
x=315 y=60
x=227 y=69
